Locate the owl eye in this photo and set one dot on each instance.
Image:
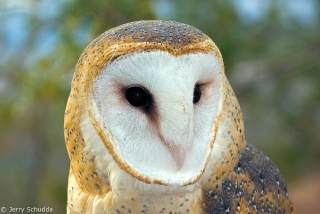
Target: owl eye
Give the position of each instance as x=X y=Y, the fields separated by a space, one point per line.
x=196 y=93
x=137 y=96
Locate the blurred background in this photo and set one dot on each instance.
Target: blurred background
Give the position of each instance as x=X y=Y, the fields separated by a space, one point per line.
x=271 y=50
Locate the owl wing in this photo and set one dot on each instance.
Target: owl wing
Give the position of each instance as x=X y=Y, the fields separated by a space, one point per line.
x=254 y=186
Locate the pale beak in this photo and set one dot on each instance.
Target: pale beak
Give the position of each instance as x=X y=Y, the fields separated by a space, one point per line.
x=178 y=153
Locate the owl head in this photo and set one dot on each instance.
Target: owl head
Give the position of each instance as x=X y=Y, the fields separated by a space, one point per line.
x=146 y=108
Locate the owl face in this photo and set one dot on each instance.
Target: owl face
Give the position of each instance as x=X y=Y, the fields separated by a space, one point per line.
x=143 y=112
x=159 y=110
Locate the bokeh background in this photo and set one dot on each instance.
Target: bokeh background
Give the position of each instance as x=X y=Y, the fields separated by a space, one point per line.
x=271 y=50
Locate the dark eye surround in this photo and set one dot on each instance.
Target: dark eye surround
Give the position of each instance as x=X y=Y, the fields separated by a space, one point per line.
x=137 y=96
x=196 y=93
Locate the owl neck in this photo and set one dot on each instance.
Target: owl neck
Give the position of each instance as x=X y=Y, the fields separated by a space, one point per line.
x=81 y=201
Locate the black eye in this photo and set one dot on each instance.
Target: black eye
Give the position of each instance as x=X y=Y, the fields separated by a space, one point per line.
x=137 y=96
x=196 y=93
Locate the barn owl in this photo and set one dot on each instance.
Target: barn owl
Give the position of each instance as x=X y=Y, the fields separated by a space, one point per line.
x=152 y=125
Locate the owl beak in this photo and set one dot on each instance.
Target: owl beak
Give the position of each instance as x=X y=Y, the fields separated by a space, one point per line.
x=178 y=153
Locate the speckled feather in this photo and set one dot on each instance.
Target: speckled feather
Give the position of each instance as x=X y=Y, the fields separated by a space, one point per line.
x=253 y=186
x=242 y=180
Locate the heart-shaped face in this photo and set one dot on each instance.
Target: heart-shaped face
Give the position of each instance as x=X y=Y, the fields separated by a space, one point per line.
x=144 y=108
x=156 y=113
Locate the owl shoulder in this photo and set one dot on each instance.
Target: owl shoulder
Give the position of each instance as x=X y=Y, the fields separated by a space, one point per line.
x=255 y=185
